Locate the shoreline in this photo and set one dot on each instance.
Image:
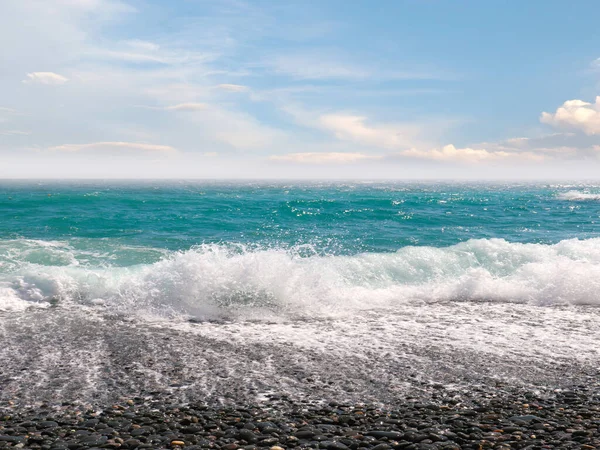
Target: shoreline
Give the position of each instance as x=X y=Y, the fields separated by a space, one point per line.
x=442 y=376
x=86 y=356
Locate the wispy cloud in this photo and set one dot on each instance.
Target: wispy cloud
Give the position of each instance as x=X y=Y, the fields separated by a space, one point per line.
x=314 y=67
x=355 y=128
x=143 y=45
x=114 y=145
x=142 y=52
x=215 y=125
x=328 y=65
x=102 y=6
x=236 y=129
x=45 y=78
x=14 y=133
x=133 y=57
x=557 y=146
x=446 y=154
x=449 y=153
x=324 y=157
x=359 y=130
x=186 y=107
x=232 y=87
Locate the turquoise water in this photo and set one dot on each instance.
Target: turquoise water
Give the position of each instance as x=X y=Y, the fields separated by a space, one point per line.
x=215 y=244
x=338 y=219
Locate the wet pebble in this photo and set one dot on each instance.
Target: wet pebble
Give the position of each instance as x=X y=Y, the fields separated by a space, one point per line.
x=482 y=419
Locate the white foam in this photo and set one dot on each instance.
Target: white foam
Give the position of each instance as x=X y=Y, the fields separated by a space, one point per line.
x=236 y=282
x=578 y=196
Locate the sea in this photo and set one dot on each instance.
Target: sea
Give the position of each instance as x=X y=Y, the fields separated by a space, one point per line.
x=245 y=290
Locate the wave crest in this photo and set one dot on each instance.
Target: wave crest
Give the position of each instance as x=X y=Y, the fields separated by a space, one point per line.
x=233 y=281
x=578 y=196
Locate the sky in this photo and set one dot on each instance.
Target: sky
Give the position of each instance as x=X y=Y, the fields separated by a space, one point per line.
x=392 y=89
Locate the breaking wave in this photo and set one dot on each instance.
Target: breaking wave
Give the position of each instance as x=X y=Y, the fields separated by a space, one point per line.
x=236 y=282
x=578 y=196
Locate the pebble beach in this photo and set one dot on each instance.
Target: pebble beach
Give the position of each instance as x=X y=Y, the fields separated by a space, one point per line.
x=87 y=381
x=568 y=419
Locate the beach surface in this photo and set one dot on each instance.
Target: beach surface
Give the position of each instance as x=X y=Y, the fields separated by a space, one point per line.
x=466 y=368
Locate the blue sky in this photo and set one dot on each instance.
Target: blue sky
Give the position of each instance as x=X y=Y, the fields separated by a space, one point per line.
x=309 y=89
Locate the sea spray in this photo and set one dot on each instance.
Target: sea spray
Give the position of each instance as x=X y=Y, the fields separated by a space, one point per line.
x=234 y=281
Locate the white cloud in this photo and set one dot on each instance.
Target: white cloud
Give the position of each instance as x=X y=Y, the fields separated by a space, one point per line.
x=323 y=158
x=104 y=6
x=314 y=67
x=365 y=135
x=214 y=125
x=140 y=52
x=143 y=45
x=133 y=56
x=354 y=128
x=556 y=146
x=45 y=78
x=114 y=145
x=450 y=153
x=7 y=114
x=14 y=133
x=328 y=65
x=237 y=129
x=233 y=87
x=576 y=115
x=187 y=107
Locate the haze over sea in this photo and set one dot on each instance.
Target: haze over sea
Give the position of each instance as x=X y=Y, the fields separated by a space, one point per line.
x=220 y=290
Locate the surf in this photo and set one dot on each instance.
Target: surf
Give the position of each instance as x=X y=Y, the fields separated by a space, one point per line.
x=578 y=196
x=241 y=282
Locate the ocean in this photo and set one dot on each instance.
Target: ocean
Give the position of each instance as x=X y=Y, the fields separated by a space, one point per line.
x=250 y=288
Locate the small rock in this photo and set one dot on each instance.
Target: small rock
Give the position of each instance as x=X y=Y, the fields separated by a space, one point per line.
x=336 y=446
x=526 y=418
x=387 y=434
x=305 y=434
x=47 y=424
x=247 y=435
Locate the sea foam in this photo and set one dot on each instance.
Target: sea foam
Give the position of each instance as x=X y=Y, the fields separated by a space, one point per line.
x=578 y=196
x=233 y=281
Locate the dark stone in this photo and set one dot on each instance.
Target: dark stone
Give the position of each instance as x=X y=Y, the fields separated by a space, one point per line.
x=12 y=439
x=526 y=418
x=387 y=434
x=268 y=442
x=305 y=434
x=336 y=446
x=93 y=440
x=247 y=435
x=381 y=447
x=47 y=424
x=581 y=433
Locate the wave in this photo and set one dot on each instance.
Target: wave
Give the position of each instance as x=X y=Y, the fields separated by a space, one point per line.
x=237 y=282
x=578 y=196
